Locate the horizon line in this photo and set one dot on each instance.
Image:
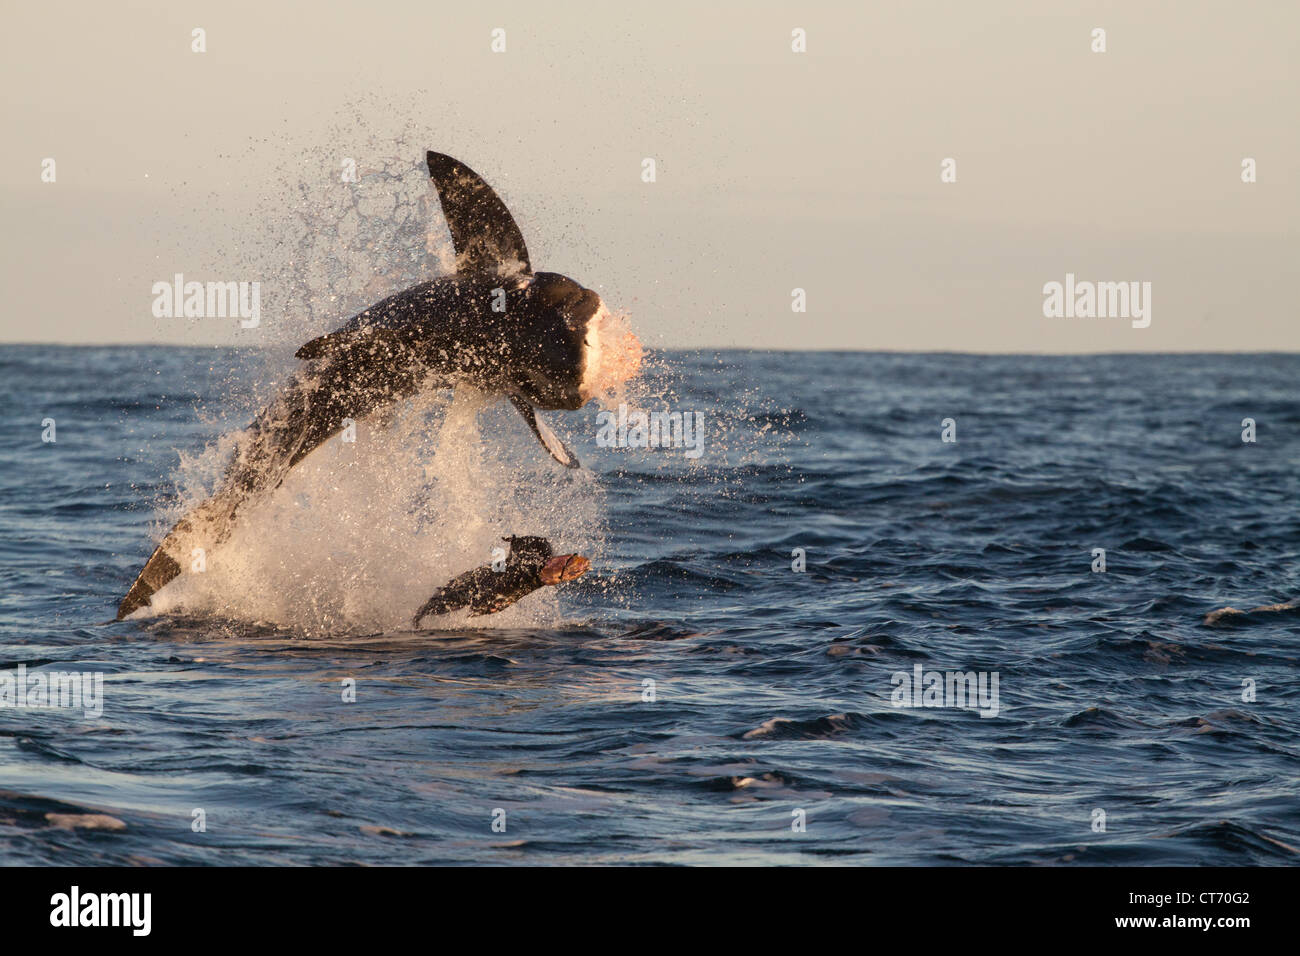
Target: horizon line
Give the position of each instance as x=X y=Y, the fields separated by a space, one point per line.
x=714 y=348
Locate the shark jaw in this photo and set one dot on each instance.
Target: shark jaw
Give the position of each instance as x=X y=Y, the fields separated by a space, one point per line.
x=612 y=357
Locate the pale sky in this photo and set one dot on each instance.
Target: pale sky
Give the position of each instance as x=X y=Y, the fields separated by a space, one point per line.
x=775 y=170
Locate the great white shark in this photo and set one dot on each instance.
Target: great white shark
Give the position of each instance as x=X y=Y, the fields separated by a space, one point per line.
x=538 y=338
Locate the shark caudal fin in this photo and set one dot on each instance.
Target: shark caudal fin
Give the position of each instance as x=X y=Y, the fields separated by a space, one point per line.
x=304 y=416
x=204 y=527
x=483 y=232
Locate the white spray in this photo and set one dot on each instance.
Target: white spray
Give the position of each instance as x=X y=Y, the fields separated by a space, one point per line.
x=361 y=533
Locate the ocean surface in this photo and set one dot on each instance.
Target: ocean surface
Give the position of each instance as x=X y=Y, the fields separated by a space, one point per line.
x=694 y=699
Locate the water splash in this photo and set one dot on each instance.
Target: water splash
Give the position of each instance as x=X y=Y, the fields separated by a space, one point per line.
x=360 y=533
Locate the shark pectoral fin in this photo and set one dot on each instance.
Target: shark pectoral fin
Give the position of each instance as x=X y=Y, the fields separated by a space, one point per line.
x=550 y=441
x=348 y=338
x=316 y=347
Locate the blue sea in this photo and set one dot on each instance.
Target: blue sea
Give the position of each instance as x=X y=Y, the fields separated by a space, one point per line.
x=726 y=685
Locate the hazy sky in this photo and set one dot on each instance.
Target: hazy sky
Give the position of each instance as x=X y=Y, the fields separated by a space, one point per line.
x=775 y=169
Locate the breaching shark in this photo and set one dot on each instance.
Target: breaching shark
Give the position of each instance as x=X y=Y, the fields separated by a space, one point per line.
x=538 y=338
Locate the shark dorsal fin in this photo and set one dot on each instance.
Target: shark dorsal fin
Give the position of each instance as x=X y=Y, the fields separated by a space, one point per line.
x=482 y=230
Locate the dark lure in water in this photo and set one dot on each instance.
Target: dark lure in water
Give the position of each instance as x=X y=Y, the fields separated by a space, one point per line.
x=532 y=564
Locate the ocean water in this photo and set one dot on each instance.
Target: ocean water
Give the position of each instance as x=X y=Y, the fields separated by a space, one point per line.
x=770 y=733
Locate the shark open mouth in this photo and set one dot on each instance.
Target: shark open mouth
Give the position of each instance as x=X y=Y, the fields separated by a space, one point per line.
x=613 y=356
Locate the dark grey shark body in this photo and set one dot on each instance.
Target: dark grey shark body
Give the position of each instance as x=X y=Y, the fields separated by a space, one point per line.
x=493 y=325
